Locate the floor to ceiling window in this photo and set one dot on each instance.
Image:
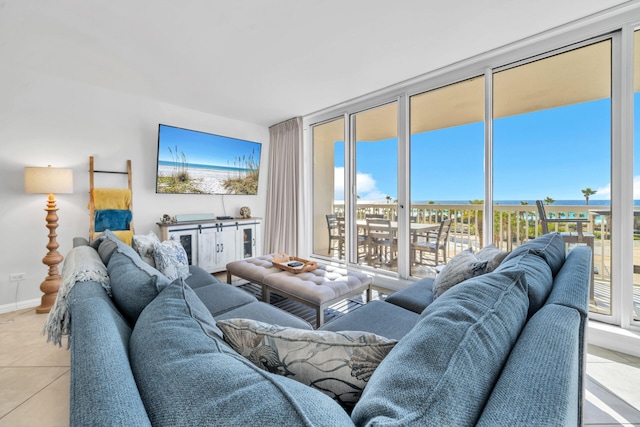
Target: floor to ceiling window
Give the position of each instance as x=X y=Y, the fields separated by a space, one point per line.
x=552 y=142
x=634 y=304
x=375 y=133
x=447 y=175
x=559 y=134
x=328 y=189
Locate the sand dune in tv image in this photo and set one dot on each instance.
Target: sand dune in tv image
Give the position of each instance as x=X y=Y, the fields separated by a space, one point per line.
x=191 y=162
x=200 y=181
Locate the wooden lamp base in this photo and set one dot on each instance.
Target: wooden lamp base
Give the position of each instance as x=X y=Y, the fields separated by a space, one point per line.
x=51 y=284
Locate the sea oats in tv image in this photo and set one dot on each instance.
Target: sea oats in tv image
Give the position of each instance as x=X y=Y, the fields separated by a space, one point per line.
x=193 y=162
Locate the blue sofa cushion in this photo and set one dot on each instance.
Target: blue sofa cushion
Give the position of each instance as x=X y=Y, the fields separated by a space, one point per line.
x=442 y=372
x=220 y=297
x=538 y=275
x=99 y=343
x=549 y=247
x=415 y=297
x=106 y=245
x=134 y=283
x=188 y=377
x=529 y=372
x=571 y=284
x=198 y=278
x=264 y=312
x=372 y=318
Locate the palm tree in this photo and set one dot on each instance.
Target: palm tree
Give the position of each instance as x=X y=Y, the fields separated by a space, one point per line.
x=548 y=200
x=588 y=192
x=388 y=199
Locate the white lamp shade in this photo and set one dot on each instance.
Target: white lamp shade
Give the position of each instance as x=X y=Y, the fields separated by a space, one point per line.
x=48 y=180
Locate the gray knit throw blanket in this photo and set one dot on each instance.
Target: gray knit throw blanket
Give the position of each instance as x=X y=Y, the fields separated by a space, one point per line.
x=82 y=264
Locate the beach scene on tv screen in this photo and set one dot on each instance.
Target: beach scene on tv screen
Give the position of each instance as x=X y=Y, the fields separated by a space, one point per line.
x=192 y=162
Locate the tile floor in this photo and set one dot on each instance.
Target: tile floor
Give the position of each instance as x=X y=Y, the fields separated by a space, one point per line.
x=34 y=379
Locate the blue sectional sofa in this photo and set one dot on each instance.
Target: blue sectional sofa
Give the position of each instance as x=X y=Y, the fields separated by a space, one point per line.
x=505 y=348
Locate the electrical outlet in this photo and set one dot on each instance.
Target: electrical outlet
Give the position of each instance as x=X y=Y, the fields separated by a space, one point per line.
x=16 y=277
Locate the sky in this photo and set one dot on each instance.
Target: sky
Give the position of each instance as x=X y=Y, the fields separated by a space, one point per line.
x=548 y=153
x=204 y=148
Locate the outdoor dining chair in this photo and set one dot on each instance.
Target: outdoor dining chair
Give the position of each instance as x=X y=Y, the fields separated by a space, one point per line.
x=336 y=235
x=381 y=240
x=433 y=242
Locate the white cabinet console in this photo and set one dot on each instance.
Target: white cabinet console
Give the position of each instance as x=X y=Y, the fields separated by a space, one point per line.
x=212 y=244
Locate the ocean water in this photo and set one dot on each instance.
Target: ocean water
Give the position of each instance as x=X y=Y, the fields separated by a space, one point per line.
x=201 y=166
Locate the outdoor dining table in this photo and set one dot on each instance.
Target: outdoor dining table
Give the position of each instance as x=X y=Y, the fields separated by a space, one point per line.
x=415 y=227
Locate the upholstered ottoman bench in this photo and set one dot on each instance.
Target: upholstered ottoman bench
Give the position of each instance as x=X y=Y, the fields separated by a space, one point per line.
x=319 y=288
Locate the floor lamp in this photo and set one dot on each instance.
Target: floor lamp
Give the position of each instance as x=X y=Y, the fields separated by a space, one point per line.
x=49 y=181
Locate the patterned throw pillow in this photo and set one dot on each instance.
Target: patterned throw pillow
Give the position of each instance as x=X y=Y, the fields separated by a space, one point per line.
x=461 y=267
x=171 y=259
x=337 y=363
x=492 y=255
x=144 y=245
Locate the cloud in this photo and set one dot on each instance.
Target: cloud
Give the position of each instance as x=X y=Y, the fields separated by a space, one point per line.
x=365 y=183
x=602 y=192
x=605 y=192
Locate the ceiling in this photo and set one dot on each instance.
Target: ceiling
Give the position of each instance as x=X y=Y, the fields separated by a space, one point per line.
x=262 y=61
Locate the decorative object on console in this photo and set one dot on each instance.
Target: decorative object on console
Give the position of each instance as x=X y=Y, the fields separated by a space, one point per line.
x=245 y=212
x=195 y=217
x=166 y=219
x=49 y=181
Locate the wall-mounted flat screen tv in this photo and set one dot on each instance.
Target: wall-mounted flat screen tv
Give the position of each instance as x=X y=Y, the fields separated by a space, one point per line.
x=192 y=162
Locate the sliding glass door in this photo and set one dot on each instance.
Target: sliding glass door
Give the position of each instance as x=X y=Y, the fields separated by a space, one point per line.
x=375 y=133
x=632 y=302
x=552 y=142
x=328 y=189
x=558 y=133
x=447 y=173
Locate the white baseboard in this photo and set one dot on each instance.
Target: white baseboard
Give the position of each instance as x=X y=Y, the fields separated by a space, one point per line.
x=20 y=305
x=614 y=338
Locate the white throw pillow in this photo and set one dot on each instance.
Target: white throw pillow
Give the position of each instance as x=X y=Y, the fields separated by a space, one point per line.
x=461 y=267
x=144 y=246
x=492 y=255
x=171 y=259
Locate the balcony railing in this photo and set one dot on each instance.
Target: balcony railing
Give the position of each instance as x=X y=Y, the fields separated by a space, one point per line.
x=512 y=225
x=515 y=224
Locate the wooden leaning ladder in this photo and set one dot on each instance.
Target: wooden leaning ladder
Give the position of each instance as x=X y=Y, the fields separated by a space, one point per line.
x=92 y=209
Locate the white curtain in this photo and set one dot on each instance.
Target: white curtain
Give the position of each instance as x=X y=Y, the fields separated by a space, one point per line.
x=281 y=219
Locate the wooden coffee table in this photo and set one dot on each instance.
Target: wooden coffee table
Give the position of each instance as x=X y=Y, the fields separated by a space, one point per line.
x=319 y=288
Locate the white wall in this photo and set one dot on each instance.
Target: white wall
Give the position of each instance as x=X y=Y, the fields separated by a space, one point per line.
x=44 y=121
